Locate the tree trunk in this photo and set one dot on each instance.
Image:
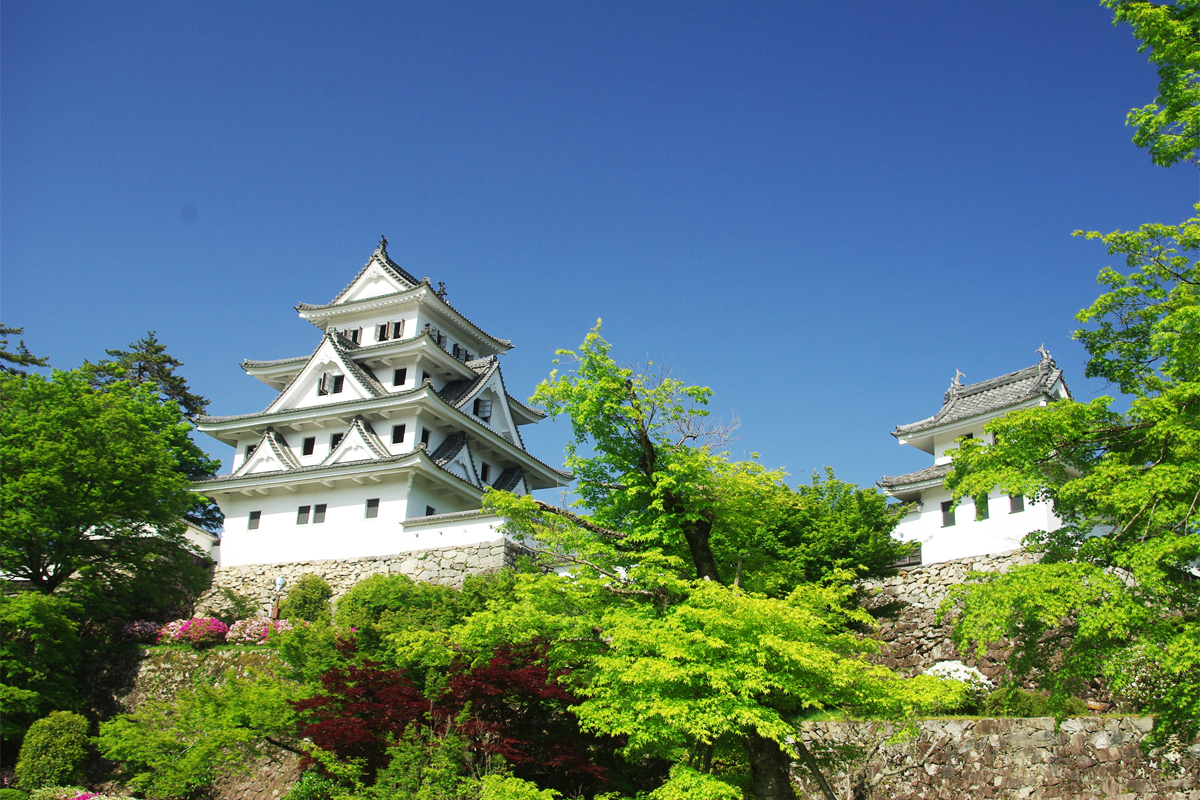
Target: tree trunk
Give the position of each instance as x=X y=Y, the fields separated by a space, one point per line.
x=814 y=768
x=770 y=769
x=697 y=536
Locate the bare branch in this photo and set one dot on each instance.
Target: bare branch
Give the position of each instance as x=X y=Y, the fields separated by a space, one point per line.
x=580 y=521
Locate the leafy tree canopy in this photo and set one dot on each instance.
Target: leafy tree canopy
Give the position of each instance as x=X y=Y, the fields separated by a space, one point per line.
x=1169 y=128
x=91 y=488
x=147 y=361
x=1128 y=597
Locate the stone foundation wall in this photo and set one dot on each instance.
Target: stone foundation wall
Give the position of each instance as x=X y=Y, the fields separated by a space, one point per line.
x=1091 y=757
x=447 y=565
x=907 y=603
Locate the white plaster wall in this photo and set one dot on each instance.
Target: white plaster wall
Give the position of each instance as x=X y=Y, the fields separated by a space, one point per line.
x=450 y=533
x=969 y=537
x=424 y=494
x=346 y=532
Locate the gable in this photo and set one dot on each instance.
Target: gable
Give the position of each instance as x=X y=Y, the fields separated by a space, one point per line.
x=373 y=281
x=271 y=454
x=359 y=444
x=492 y=408
x=327 y=360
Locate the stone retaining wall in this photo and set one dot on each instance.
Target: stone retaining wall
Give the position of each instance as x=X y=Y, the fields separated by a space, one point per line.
x=446 y=565
x=1091 y=757
x=907 y=603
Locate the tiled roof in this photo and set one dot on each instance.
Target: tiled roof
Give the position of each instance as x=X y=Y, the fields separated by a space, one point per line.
x=304 y=470
x=456 y=392
x=936 y=472
x=994 y=394
x=249 y=363
x=449 y=515
x=533 y=412
x=509 y=479
x=449 y=448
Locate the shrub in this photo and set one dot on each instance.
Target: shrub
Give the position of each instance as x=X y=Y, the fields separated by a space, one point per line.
x=976 y=682
x=12 y=794
x=312 y=786
x=140 y=630
x=235 y=606
x=202 y=631
x=256 y=630
x=169 y=633
x=54 y=751
x=1012 y=702
x=307 y=600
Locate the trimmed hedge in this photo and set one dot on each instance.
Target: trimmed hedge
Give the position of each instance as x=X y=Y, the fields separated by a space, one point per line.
x=54 y=751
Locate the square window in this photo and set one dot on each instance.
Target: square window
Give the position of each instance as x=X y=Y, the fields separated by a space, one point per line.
x=483 y=409
x=355 y=335
x=381 y=332
x=397 y=434
x=373 y=508
x=430 y=511
x=323 y=385
x=318 y=513
x=947 y=514
x=310 y=444
x=252 y=523
x=397 y=329
x=424 y=376
x=250 y=448
x=338 y=382
x=1016 y=503
x=457 y=351
x=400 y=377
x=425 y=437
x=302 y=515
x=981 y=507
x=335 y=439
x=484 y=472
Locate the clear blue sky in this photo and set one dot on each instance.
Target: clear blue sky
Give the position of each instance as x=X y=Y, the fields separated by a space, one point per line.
x=820 y=210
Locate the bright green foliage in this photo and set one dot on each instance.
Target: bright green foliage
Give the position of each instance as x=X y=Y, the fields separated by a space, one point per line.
x=173 y=748
x=13 y=794
x=506 y=787
x=390 y=603
x=90 y=486
x=313 y=785
x=427 y=767
x=686 y=783
x=307 y=599
x=723 y=662
x=54 y=751
x=1127 y=597
x=1169 y=128
x=40 y=660
x=1010 y=701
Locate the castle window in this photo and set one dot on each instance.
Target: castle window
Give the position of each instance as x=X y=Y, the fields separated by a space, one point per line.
x=399 y=377
x=382 y=331
x=302 y=515
x=335 y=439
x=252 y=522
x=323 y=385
x=397 y=434
x=483 y=409
x=424 y=376
x=397 y=329
x=250 y=448
x=947 y=514
x=310 y=444
x=425 y=436
x=1016 y=503
x=457 y=351
x=354 y=335
x=338 y=382
x=484 y=471
x=981 y=507
x=318 y=513
x=373 y=508
x=430 y=511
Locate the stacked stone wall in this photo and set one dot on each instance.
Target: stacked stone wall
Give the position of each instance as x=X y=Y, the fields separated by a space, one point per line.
x=447 y=566
x=1086 y=758
x=906 y=607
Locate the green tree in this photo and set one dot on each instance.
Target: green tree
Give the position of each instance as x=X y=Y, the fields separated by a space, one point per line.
x=669 y=655
x=91 y=489
x=1122 y=603
x=41 y=656
x=19 y=358
x=147 y=362
x=1169 y=128
x=307 y=599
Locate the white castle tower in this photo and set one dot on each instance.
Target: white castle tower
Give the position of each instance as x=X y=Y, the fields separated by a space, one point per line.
x=383 y=440
x=983 y=525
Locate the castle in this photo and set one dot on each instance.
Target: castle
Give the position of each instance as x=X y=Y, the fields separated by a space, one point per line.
x=983 y=525
x=382 y=440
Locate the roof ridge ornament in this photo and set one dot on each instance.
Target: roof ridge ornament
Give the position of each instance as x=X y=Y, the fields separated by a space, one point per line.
x=1044 y=352
x=441 y=290
x=382 y=249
